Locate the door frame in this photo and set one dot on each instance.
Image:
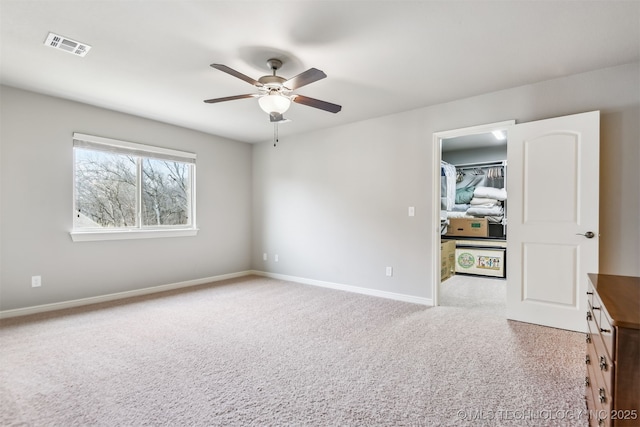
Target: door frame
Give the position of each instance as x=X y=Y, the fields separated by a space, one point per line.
x=435 y=200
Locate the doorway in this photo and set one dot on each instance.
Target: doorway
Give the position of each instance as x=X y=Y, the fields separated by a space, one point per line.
x=477 y=158
x=553 y=216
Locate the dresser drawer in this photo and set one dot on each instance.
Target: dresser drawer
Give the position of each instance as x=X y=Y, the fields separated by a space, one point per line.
x=591 y=387
x=602 y=407
x=603 y=326
x=600 y=361
x=598 y=399
x=591 y=320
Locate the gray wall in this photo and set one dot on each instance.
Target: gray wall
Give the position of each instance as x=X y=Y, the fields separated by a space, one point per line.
x=36 y=206
x=333 y=204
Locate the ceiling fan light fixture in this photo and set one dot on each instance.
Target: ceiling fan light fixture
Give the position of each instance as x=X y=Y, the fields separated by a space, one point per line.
x=275 y=92
x=274 y=103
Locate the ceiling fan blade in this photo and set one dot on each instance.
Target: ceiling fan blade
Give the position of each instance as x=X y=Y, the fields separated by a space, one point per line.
x=316 y=103
x=230 y=98
x=237 y=74
x=303 y=79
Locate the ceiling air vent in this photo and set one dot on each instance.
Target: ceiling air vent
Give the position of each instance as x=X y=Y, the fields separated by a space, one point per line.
x=68 y=45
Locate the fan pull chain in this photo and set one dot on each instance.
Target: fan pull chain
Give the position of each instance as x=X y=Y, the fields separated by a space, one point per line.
x=275 y=133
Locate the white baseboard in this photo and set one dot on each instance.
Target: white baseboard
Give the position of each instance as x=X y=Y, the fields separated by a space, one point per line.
x=347 y=288
x=116 y=296
x=154 y=289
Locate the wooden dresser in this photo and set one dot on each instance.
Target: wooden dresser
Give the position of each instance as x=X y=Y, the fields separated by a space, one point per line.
x=613 y=350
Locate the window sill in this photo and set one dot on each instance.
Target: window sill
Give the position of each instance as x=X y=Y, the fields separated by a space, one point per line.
x=91 y=236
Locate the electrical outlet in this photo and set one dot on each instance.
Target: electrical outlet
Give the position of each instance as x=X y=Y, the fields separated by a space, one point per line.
x=389 y=271
x=264 y=256
x=412 y=211
x=36 y=281
x=275 y=257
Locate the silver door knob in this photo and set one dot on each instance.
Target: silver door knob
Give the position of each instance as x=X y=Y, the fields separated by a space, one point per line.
x=588 y=234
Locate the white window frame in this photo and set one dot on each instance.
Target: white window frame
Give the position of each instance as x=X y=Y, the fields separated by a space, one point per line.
x=81 y=140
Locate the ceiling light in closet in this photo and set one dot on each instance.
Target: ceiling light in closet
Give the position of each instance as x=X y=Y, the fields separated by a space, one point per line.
x=500 y=135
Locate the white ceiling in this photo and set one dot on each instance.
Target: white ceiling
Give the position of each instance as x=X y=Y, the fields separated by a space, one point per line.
x=151 y=58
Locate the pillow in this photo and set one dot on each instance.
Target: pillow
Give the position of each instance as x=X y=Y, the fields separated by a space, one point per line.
x=491 y=193
x=483 y=201
x=464 y=195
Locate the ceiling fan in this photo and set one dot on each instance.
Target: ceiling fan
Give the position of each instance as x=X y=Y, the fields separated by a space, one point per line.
x=275 y=93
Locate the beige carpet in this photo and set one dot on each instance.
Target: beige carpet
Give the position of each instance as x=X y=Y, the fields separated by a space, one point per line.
x=263 y=352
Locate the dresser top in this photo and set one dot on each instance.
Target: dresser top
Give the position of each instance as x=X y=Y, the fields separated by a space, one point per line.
x=621 y=297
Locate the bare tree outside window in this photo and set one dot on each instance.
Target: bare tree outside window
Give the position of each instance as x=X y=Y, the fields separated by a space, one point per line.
x=165 y=190
x=105 y=189
x=107 y=194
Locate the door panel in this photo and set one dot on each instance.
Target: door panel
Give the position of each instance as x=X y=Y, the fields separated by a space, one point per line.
x=546 y=156
x=553 y=194
x=549 y=274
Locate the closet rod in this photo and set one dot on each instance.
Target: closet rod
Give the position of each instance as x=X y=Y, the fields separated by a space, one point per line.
x=481 y=164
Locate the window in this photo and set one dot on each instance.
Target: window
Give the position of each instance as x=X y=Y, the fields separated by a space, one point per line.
x=126 y=190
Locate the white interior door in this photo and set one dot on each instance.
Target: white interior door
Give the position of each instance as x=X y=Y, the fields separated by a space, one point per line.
x=553 y=192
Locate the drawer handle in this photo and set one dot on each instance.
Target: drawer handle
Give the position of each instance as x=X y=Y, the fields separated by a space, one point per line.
x=603 y=363
x=589 y=293
x=587 y=360
x=595 y=308
x=588 y=338
x=586 y=381
x=605 y=331
x=589 y=317
x=601 y=395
